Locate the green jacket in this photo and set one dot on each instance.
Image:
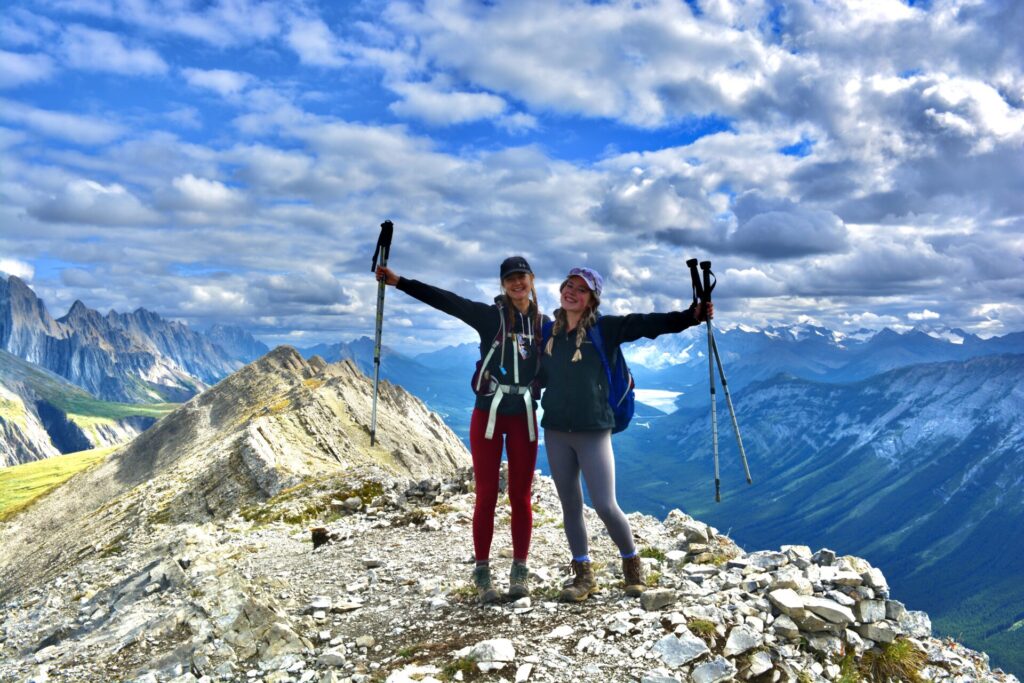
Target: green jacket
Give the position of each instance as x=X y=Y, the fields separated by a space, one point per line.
x=576 y=394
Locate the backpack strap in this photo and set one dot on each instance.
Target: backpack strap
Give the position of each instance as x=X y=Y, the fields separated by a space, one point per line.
x=498 y=339
x=594 y=332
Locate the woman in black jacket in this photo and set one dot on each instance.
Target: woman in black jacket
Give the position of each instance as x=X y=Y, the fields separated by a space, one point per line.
x=509 y=332
x=578 y=418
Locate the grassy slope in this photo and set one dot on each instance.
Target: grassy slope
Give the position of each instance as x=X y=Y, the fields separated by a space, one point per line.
x=20 y=485
x=69 y=398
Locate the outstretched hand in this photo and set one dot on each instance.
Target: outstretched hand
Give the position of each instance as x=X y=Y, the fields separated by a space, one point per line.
x=387 y=276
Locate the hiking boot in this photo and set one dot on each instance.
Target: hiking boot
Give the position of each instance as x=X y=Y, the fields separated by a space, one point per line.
x=517 y=578
x=633 y=576
x=583 y=584
x=482 y=580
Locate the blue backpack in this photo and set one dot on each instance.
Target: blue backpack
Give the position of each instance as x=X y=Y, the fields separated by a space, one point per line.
x=621 y=396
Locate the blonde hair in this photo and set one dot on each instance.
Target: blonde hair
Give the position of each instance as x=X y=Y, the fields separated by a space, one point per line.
x=588 y=320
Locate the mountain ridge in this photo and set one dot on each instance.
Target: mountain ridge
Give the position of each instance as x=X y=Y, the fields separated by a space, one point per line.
x=127 y=357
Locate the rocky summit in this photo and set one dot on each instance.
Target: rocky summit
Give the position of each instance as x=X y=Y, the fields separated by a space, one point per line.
x=254 y=535
x=386 y=596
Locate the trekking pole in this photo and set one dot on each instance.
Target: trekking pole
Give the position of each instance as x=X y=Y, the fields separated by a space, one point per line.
x=703 y=292
x=383 y=250
x=708 y=286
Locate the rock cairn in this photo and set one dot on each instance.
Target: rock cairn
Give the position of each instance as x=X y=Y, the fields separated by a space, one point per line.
x=388 y=599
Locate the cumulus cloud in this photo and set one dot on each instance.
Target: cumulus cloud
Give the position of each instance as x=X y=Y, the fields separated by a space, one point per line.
x=77 y=128
x=93 y=50
x=778 y=228
x=923 y=315
x=87 y=201
x=20 y=269
x=203 y=194
x=221 y=81
x=314 y=42
x=17 y=68
x=445 y=108
x=908 y=186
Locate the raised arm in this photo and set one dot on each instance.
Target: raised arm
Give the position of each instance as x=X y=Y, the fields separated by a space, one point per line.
x=631 y=327
x=473 y=313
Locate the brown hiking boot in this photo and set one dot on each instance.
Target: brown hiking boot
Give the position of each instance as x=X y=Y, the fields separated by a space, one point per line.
x=517 y=578
x=633 y=576
x=583 y=584
x=482 y=580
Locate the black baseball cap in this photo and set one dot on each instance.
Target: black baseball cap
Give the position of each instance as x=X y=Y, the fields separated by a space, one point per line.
x=514 y=264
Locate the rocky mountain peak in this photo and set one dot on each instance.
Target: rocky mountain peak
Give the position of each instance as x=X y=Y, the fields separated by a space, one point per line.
x=274 y=424
x=78 y=310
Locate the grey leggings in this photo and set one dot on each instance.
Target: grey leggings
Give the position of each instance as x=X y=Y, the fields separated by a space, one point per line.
x=569 y=454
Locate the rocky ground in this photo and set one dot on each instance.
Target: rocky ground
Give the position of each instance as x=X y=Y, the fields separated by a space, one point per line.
x=388 y=598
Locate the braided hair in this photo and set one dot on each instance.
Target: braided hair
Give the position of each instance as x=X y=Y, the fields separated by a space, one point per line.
x=588 y=320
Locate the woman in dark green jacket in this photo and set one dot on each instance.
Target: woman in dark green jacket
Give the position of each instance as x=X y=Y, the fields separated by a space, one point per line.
x=578 y=418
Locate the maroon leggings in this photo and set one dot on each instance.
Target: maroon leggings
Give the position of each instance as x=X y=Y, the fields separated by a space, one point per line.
x=522 y=458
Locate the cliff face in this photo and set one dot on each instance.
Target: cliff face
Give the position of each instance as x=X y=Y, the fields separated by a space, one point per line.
x=42 y=414
x=133 y=357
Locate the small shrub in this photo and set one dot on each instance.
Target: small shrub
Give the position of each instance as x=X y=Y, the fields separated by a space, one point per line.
x=703 y=629
x=895 y=661
x=849 y=671
x=652 y=552
x=464 y=665
x=652 y=579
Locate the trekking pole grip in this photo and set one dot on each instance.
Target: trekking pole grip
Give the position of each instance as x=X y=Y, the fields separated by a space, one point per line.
x=383 y=249
x=698 y=289
x=708 y=284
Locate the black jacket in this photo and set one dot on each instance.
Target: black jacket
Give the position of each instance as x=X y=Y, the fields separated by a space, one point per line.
x=576 y=394
x=486 y=320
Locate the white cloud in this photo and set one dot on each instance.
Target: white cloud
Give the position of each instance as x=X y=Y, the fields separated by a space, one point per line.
x=314 y=43
x=423 y=101
x=75 y=128
x=923 y=315
x=19 y=269
x=17 y=68
x=202 y=194
x=222 y=81
x=93 y=50
x=90 y=202
x=222 y=23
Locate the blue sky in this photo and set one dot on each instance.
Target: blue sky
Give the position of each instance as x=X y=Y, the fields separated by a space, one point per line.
x=854 y=164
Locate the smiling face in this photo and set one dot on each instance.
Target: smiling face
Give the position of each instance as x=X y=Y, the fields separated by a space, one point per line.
x=517 y=287
x=576 y=295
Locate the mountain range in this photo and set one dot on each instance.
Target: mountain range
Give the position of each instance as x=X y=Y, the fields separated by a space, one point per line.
x=86 y=379
x=918 y=469
x=136 y=357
